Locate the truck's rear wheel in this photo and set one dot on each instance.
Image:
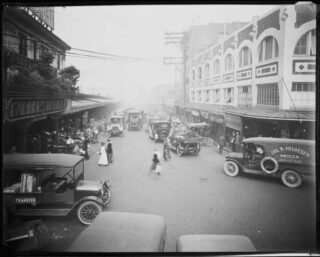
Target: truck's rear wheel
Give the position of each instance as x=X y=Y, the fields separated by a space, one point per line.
x=291 y=178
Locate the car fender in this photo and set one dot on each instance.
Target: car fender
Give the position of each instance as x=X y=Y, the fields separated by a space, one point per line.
x=235 y=161
x=87 y=198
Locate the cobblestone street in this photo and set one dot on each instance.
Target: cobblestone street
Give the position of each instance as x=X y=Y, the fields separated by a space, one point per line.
x=195 y=197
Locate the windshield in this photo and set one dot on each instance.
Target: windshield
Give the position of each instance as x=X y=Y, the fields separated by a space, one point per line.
x=115 y=120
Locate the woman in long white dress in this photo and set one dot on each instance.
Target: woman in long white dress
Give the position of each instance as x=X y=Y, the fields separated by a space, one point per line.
x=103 y=160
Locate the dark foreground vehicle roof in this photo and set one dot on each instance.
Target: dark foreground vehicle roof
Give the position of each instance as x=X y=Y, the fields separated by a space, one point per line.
x=40 y=160
x=121 y=232
x=275 y=140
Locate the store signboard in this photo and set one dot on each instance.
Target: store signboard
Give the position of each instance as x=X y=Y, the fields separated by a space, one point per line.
x=233 y=121
x=215 y=118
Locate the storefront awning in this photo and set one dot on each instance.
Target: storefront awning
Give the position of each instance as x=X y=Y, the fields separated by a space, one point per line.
x=89 y=103
x=260 y=113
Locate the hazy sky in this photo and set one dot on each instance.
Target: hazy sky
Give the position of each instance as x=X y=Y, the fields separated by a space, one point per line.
x=136 y=31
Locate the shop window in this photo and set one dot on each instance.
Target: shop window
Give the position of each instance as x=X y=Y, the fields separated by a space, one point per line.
x=245 y=96
x=268 y=49
x=228 y=63
x=228 y=95
x=199 y=73
x=306 y=45
x=245 y=57
x=303 y=87
x=216 y=67
x=207 y=70
x=268 y=94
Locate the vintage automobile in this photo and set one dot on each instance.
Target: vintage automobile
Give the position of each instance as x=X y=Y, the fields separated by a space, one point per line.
x=158 y=130
x=51 y=185
x=116 y=125
x=134 y=120
x=214 y=243
x=283 y=158
x=122 y=232
x=183 y=141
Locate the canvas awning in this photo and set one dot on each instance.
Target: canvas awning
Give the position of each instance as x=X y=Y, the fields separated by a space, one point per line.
x=270 y=114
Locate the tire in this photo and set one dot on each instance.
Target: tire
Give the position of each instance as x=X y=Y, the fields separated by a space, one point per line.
x=291 y=178
x=263 y=167
x=231 y=168
x=179 y=153
x=88 y=211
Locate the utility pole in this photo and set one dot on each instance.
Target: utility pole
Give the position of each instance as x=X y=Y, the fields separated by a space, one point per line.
x=176 y=38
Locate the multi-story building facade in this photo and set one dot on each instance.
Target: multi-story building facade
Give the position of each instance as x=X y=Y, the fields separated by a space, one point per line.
x=27 y=35
x=260 y=79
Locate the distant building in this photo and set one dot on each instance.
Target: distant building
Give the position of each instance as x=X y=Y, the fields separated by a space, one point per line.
x=260 y=79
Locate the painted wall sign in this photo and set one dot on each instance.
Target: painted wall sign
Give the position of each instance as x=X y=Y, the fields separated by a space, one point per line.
x=266 y=70
x=291 y=154
x=25 y=200
x=244 y=74
x=228 y=77
x=304 y=67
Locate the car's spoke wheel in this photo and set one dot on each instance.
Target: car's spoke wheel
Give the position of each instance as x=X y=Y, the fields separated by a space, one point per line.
x=88 y=211
x=231 y=168
x=179 y=152
x=291 y=178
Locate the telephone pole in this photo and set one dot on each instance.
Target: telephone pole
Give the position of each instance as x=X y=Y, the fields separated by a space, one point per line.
x=176 y=38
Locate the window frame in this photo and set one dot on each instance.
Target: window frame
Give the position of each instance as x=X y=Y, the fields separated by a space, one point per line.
x=262 y=53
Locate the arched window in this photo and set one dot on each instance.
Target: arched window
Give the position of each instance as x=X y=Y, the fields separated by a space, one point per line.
x=228 y=63
x=268 y=49
x=207 y=70
x=216 y=67
x=307 y=44
x=199 y=73
x=193 y=75
x=245 y=57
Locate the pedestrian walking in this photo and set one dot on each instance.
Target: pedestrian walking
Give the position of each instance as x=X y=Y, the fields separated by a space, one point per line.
x=103 y=160
x=85 y=146
x=221 y=143
x=232 y=141
x=155 y=160
x=237 y=142
x=166 y=149
x=109 y=151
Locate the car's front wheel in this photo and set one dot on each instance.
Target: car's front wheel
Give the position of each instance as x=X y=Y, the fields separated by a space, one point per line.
x=88 y=211
x=231 y=168
x=291 y=178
